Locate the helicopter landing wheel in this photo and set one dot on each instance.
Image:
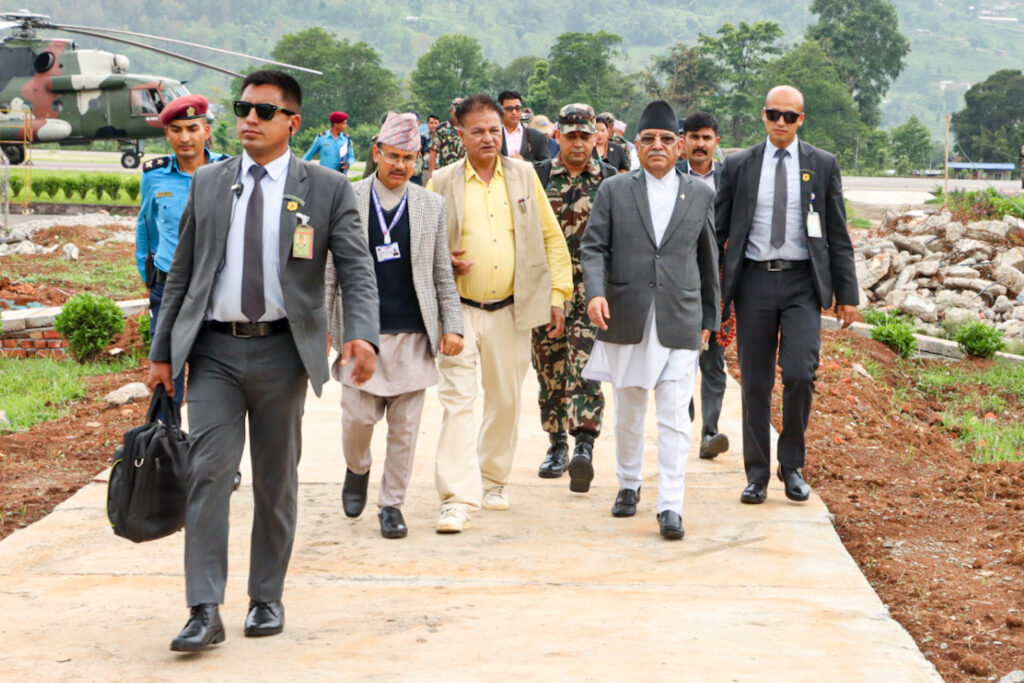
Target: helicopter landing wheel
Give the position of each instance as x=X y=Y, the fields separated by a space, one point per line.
x=130 y=160
x=14 y=153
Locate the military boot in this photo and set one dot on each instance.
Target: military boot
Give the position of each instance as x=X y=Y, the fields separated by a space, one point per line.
x=554 y=462
x=581 y=467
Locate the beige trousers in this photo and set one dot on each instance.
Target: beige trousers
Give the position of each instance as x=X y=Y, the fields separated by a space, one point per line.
x=502 y=353
x=360 y=411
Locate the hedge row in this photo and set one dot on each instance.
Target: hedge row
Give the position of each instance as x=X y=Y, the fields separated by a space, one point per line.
x=78 y=186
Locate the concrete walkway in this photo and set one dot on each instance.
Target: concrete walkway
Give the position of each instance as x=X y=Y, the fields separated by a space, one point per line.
x=554 y=589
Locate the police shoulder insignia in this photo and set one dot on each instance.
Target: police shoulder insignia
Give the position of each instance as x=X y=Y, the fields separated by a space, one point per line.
x=158 y=162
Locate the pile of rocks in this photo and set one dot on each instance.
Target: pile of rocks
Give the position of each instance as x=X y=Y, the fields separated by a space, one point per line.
x=18 y=240
x=938 y=270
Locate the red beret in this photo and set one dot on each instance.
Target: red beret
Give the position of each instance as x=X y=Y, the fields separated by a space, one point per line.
x=185 y=107
x=338 y=117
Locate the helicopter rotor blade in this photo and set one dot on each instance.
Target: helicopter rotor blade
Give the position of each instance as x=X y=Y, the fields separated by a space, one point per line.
x=151 y=48
x=185 y=42
x=9 y=24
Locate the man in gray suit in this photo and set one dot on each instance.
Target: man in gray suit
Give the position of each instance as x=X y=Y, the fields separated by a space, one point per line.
x=655 y=299
x=420 y=316
x=243 y=306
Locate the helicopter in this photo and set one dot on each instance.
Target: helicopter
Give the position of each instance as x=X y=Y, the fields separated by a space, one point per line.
x=53 y=91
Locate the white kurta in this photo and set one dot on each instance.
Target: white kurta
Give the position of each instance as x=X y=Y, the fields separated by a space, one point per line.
x=648 y=363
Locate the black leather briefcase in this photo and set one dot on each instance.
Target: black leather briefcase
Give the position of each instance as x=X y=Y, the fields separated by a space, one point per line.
x=147 y=489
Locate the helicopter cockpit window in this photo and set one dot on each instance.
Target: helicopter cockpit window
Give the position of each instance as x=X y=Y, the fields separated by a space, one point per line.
x=143 y=103
x=44 y=62
x=173 y=91
x=155 y=94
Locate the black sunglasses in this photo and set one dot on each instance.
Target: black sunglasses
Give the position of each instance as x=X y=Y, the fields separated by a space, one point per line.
x=787 y=116
x=263 y=110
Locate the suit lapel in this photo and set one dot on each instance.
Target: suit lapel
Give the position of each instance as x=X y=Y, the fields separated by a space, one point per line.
x=413 y=208
x=640 y=197
x=682 y=206
x=524 y=145
x=295 y=186
x=807 y=172
x=222 y=183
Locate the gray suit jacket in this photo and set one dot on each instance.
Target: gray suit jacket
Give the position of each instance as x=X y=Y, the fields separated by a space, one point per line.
x=431 y=267
x=318 y=192
x=622 y=262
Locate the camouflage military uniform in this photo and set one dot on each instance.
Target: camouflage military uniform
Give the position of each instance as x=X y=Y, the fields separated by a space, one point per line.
x=447 y=144
x=569 y=403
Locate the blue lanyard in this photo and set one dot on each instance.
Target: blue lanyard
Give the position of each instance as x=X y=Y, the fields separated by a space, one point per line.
x=380 y=213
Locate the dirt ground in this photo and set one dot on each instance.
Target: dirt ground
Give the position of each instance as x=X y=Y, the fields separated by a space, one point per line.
x=939 y=537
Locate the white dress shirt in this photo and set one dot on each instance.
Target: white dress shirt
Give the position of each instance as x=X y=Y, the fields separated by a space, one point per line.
x=706 y=178
x=514 y=140
x=759 y=246
x=226 y=301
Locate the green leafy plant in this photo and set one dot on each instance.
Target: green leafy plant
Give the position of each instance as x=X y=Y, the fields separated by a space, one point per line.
x=46 y=187
x=145 y=329
x=15 y=185
x=131 y=188
x=978 y=339
x=108 y=185
x=873 y=316
x=88 y=323
x=69 y=184
x=898 y=335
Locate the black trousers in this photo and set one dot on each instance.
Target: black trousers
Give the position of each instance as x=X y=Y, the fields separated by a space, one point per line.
x=778 y=317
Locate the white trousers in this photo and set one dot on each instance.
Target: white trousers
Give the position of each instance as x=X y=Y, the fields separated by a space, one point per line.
x=672 y=404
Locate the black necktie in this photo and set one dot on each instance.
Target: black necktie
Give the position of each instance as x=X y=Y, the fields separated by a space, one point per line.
x=781 y=198
x=253 y=304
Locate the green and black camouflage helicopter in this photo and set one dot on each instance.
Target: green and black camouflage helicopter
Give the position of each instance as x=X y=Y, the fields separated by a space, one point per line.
x=52 y=91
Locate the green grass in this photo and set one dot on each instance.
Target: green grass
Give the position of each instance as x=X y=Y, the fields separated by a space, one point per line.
x=993 y=442
x=854 y=220
x=59 y=198
x=33 y=390
x=118 y=280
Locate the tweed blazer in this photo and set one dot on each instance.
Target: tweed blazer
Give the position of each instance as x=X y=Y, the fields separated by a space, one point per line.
x=432 y=274
x=623 y=263
x=325 y=198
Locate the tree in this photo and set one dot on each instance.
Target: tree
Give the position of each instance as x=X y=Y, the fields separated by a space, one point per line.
x=862 y=39
x=911 y=141
x=738 y=54
x=990 y=127
x=579 y=68
x=454 y=66
x=353 y=79
x=515 y=76
x=684 y=77
x=831 y=120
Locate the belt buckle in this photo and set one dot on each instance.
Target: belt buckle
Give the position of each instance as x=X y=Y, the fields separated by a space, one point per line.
x=772 y=269
x=236 y=333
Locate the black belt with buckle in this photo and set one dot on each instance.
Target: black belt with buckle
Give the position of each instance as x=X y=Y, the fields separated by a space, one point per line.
x=777 y=265
x=248 y=330
x=490 y=306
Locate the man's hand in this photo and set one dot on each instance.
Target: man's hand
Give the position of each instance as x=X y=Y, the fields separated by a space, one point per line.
x=597 y=311
x=557 y=324
x=363 y=358
x=705 y=337
x=459 y=266
x=160 y=373
x=846 y=313
x=451 y=344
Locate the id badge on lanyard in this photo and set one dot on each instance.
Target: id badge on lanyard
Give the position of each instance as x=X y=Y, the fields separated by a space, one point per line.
x=388 y=251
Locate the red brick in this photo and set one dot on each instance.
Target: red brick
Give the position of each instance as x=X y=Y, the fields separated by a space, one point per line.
x=26 y=344
x=18 y=353
x=54 y=344
x=10 y=343
x=40 y=343
x=36 y=334
x=51 y=334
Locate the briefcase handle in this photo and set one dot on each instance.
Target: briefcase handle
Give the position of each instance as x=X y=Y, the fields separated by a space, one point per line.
x=161 y=402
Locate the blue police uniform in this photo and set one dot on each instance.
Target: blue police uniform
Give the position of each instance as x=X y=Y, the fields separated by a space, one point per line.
x=332 y=151
x=164 y=191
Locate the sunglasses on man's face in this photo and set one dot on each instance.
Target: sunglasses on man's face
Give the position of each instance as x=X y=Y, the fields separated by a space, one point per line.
x=789 y=117
x=263 y=110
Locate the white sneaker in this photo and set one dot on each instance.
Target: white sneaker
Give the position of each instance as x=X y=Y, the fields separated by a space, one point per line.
x=496 y=498
x=453 y=519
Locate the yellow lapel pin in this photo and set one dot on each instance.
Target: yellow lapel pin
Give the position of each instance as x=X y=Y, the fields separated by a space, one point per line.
x=292 y=206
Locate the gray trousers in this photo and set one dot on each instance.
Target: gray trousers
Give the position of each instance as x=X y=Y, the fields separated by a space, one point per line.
x=360 y=411
x=712 y=385
x=229 y=379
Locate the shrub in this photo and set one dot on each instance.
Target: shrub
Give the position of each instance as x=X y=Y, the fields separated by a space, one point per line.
x=897 y=334
x=15 y=185
x=145 y=331
x=106 y=185
x=47 y=186
x=131 y=187
x=88 y=323
x=873 y=316
x=978 y=339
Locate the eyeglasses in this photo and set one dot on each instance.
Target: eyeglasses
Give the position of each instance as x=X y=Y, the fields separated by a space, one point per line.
x=667 y=140
x=395 y=159
x=263 y=110
x=790 y=117
x=513 y=107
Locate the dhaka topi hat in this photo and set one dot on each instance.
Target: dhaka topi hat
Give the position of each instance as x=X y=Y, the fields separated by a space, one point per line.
x=658 y=115
x=401 y=131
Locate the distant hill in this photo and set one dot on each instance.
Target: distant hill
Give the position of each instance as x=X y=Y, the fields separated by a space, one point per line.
x=954 y=42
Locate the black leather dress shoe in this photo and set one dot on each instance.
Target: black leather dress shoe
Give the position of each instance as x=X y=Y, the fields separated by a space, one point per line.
x=625 y=503
x=671 y=524
x=202 y=630
x=581 y=467
x=712 y=445
x=392 y=524
x=558 y=454
x=796 y=488
x=754 y=494
x=264 y=619
x=353 y=493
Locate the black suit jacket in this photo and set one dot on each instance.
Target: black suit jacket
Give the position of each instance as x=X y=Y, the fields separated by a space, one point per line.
x=534 y=147
x=835 y=276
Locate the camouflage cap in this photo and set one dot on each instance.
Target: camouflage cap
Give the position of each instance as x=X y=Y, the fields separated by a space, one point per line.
x=576 y=116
